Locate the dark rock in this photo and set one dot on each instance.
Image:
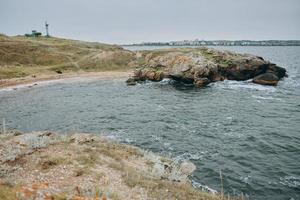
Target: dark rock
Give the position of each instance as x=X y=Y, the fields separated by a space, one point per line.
x=58 y=71
x=131 y=81
x=278 y=71
x=266 y=79
x=200 y=82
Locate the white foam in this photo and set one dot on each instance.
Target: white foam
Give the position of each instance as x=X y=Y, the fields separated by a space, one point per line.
x=290 y=181
x=266 y=98
x=203 y=187
x=238 y=85
x=157 y=138
x=246 y=179
x=190 y=156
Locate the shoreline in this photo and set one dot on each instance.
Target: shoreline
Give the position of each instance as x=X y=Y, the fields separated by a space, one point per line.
x=43 y=78
x=88 y=166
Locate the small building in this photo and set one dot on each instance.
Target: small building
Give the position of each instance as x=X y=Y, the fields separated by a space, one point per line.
x=34 y=33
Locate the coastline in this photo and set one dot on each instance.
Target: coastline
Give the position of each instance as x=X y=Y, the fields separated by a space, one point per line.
x=42 y=78
x=49 y=165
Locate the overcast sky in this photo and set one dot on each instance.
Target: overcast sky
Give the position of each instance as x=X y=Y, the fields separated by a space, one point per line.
x=129 y=21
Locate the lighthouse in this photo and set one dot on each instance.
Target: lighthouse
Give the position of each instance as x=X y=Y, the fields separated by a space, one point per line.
x=47 y=29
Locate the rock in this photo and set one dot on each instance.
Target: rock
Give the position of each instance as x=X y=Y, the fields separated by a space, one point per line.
x=81 y=138
x=266 y=79
x=58 y=71
x=201 y=66
x=187 y=167
x=45 y=134
x=278 y=71
x=131 y=81
x=154 y=76
x=200 y=82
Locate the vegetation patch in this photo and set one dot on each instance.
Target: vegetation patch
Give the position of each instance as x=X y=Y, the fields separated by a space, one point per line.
x=51 y=162
x=7 y=192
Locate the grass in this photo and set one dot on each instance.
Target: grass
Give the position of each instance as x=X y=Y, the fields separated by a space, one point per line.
x=12 y=72
x=162 y=189
x=7 y=192
x=53 y=161
x=21 y=56
x=87 y=160
x=224 y=58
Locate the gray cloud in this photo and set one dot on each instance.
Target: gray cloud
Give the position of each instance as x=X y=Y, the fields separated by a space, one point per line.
x=126 y=21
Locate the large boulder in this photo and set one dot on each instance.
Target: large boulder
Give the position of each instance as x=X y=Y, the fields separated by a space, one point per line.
x=201 y=66
x=266 y=79
x=187 y=167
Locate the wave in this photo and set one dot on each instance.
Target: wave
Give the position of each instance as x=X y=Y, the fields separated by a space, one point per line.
x=266 y=98
x=290 y=181
x=238 y=85
x=205 y=188
x=190 y=156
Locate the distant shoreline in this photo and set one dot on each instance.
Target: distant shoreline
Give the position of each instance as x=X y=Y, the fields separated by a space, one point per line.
x=141 y=45
x=220 y=43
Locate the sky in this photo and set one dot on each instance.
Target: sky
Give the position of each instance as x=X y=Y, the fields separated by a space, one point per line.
x=134 y=21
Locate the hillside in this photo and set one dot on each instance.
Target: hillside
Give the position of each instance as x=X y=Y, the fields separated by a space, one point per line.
x=21 y=56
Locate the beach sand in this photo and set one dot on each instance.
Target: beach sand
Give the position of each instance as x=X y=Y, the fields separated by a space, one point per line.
x=43 y=78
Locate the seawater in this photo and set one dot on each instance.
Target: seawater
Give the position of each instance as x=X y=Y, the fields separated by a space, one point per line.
x=251 y=133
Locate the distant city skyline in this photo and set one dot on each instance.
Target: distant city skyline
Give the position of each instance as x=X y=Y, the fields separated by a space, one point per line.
x=137 y=21
x=221 y=43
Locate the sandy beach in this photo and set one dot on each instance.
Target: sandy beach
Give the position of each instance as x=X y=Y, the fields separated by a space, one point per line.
x=34 y=80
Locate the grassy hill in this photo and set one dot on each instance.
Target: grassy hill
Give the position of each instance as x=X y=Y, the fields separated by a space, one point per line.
x=21 y=56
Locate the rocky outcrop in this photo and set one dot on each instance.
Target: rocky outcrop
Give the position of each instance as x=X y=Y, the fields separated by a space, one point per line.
x=202 y=66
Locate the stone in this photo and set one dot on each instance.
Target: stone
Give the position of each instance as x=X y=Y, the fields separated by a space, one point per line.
x=266 y=79
x=82 y=138
x=187 y=167
x=131 y=81
x=280 y=72
x=58 y=71
x=201 y=82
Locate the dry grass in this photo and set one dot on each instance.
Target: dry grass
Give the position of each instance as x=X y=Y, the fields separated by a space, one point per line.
x=49 y=162
x=7 y=192
x=21 y=56
x=164 y=189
